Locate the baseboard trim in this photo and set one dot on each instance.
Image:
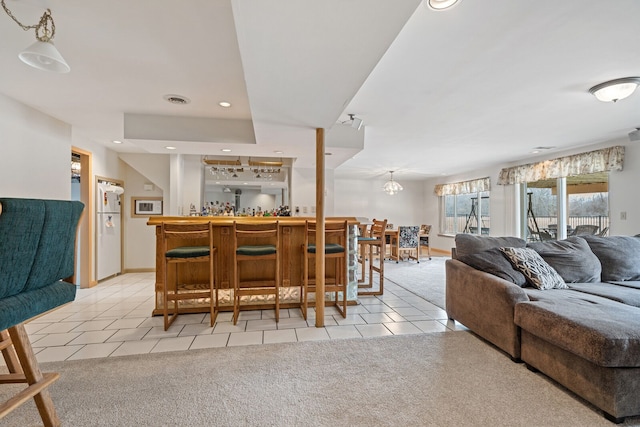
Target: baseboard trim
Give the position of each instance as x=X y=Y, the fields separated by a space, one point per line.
x=139 y=270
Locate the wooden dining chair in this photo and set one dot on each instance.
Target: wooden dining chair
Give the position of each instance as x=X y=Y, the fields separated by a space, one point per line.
x=425 y=231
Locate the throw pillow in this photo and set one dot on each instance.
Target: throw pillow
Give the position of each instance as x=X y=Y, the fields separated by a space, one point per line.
x=538 y=273
x=571 y=258
x=470 y=243
x=619 y=256
x=494 y=262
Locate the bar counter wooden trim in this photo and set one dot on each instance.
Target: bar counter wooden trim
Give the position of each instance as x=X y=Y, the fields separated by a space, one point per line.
x=291 y=264
x=229 y=220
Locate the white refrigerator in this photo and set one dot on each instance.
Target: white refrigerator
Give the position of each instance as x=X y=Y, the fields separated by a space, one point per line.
x=108 y=230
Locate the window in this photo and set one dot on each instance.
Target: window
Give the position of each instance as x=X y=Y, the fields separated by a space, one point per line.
x=586 y=206
x=464 y=207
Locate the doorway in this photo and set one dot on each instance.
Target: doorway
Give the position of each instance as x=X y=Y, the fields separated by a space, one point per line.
x=82 y=190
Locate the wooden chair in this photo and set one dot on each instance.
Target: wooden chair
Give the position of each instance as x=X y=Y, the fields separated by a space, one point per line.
x=374 y=246
x=37 y=261
x=409 y=241
x=336 y=237
x=176 y=237
x=253 y=244
x=425 y=230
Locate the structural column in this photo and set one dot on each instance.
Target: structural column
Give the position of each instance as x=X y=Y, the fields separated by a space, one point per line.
x=320 y=240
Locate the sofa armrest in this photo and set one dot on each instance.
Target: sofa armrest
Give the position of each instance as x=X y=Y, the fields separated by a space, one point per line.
x=485 y=304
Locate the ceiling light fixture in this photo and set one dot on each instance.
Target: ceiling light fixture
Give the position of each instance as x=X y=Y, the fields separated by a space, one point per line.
x=42 y=54
x=115 y=141
x=441 y=4
x=391 y=187
x=224 y=104
x=615 y=90
x=170 y=148
x=226 y=150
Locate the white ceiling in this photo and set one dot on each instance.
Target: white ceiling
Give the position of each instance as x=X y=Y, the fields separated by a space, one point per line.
x=439 y=92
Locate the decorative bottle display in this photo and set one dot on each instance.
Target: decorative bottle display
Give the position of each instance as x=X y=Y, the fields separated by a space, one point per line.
x=218 y=208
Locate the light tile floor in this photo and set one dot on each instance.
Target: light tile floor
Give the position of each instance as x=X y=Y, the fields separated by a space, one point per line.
x=114 y=319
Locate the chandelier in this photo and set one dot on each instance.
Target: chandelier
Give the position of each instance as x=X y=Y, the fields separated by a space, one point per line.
x=391 y=187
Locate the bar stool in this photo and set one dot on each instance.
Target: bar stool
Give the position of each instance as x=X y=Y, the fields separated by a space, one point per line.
x=375 y=240
x=255 y=243
x=336 y=236
x=201 y=251
x=363 y=232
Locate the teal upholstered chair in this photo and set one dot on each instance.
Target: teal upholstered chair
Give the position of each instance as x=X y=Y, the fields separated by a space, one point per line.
x=37 y=257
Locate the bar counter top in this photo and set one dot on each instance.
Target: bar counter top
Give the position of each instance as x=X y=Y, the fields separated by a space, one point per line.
x=228 y=220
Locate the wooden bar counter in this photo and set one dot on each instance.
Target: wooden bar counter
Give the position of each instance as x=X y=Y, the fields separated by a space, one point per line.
x=292 y=231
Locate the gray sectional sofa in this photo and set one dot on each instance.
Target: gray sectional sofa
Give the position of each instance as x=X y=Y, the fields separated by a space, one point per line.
x=570 y=309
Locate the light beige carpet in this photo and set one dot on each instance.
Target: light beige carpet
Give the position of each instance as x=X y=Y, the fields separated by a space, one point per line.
x=445 y=379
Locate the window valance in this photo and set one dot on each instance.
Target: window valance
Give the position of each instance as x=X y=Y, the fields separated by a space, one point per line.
x=604 y=160
x=464 y=187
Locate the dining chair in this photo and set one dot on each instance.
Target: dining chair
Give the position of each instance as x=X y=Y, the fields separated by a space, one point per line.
x=256 y=250
x=336 y=237
x=425 y=231
x=409 y=241
x=184 y=244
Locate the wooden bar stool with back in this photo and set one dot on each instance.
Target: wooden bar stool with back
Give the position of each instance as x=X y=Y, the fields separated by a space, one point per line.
x=253 y=244
x=373 y=245
x=336 y=237
x=176 y=237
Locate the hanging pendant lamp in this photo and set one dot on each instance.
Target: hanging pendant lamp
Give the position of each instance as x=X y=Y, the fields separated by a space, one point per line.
x=391 y=187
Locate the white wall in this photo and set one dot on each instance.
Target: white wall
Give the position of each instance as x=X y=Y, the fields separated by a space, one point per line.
x=303 y=192
x=365 y=198
x=140 y=238
x=36 y=153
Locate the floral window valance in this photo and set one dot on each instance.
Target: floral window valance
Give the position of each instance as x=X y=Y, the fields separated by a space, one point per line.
x=604 y=160
x=464 y=187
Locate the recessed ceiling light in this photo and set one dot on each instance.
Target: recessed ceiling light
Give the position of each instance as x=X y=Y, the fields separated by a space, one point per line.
x=279 y=152
x=117 y=142
x=224 y=104
x=170 y=148
x=535 y=151
x=245 y=183
x=177 y=99
x=226 y=150
x=441 y=4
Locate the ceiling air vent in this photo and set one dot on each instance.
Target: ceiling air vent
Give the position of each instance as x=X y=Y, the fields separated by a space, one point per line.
x=177 y=99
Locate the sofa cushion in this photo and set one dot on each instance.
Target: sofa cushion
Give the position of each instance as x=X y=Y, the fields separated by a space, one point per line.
x=619 y=256
x=494 y=261
x=571 y=258
x=471 y=243
x=539 y=274
x=624 y=294
x=601 y=331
